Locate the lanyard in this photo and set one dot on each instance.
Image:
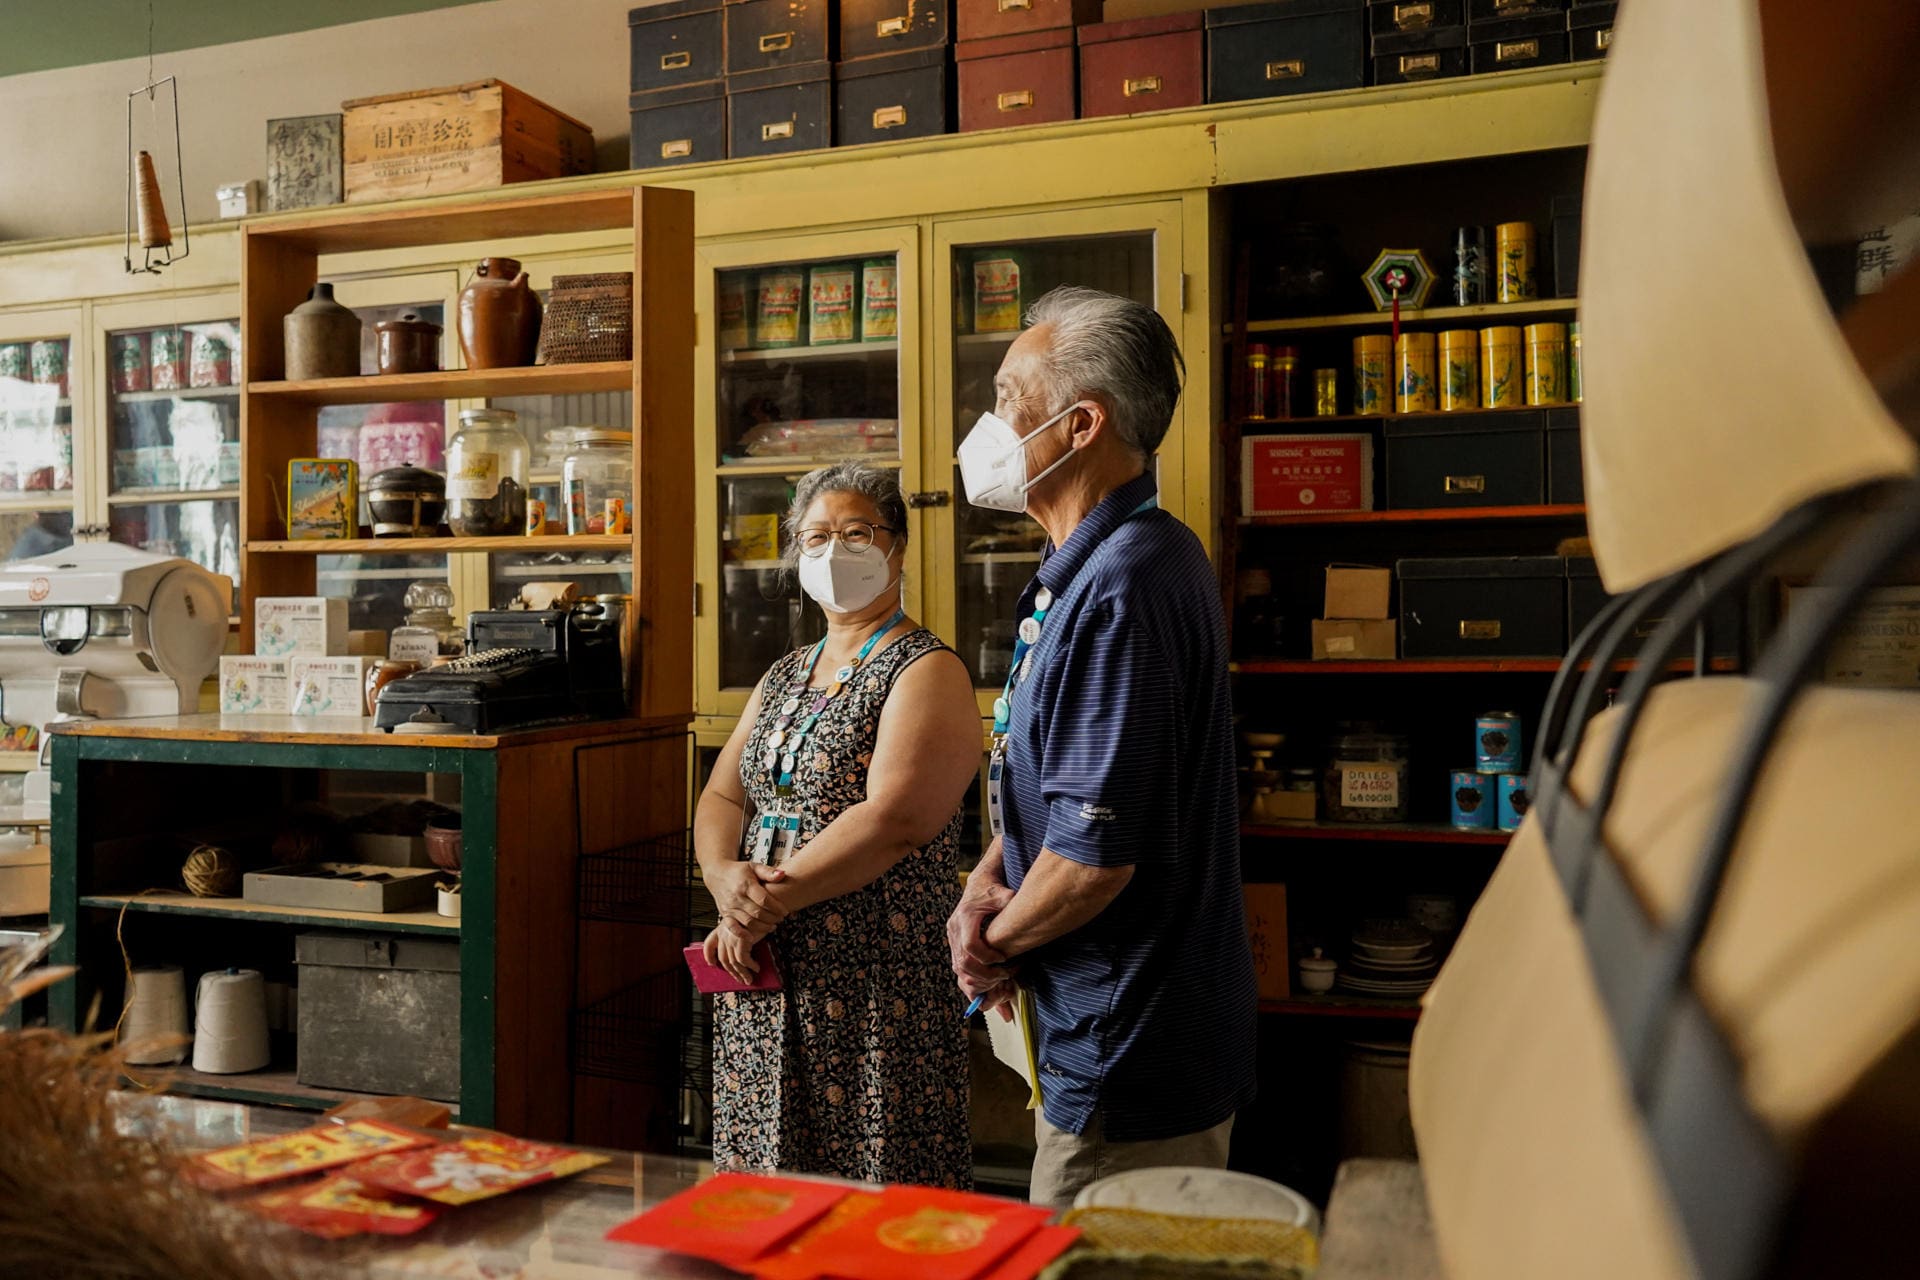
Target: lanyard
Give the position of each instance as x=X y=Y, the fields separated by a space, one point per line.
x=788 y=738
x=1025 y=639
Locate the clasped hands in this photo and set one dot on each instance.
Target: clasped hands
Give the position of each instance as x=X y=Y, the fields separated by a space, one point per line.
x=982 y=969
x=748 y=913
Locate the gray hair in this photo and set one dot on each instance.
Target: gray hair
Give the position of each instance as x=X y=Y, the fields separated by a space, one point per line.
x=1118 y=350
x=878 y=485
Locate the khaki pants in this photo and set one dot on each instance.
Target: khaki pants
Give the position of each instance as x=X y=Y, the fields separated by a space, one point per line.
x=1066 y=1162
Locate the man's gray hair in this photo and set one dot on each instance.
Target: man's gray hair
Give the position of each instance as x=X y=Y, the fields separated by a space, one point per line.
x=1118 y=350
x=878 y=485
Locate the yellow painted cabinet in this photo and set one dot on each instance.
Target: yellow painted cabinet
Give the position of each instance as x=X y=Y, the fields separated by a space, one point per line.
x=43 y=390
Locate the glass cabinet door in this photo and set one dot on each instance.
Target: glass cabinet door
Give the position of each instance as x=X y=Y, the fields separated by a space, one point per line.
x=37 y=394
x=996 y=269
x=808 y=353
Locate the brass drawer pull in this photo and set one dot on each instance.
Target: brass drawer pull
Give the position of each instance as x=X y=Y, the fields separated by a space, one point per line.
x=675 y=61
x=1465 y=484
x=1515 y=50
x=889 y=117
x=1412 y=17
x=1289 y=70
x=1480 y=629
x=1513 y=6
x=1605 y=38
x=772 y=132
x=892 y=26
x=1008 y=6
x=1018 y=100
x=677 y=148
x=777 y=41
x=1419 y=64
x=1144 y=84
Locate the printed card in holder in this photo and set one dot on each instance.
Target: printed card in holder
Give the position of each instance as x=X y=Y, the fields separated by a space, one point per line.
x=711 y=979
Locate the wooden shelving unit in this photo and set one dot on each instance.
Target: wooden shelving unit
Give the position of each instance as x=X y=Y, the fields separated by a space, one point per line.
x=185 y=904
x=1487 y=313
x=424 y=546
x=453 y=384
x=1383 y=832
x=1422 y=515
x=277 y=1085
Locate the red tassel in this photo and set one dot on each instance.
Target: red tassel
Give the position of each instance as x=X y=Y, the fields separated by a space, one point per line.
x=1396 y=319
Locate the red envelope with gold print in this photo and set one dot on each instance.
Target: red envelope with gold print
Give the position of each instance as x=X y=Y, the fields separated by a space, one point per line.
x=1034 y=1254
x=338 y=1206
x=928 y=1234
x=476 y=1167
x=794 y=1261
x=312 y=1150
x=731 y=1217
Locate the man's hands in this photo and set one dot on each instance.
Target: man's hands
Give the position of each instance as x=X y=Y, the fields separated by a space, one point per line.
x=740 y=894
x=978 y=967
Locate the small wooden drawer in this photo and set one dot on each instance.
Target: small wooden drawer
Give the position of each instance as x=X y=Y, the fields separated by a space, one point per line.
x=785 y=109
x=875 y=28
x=1015 y=80
x=1406 y=57
x=899 y=95
x=1518 y=43
x=1150 y=64
x=685 y=125
x=988 y=19
x=676 y=43
x=764 y=34
x=1287 y=47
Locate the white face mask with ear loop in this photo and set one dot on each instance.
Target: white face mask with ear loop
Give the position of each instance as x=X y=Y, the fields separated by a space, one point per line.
x=843 y=581
x=993 y=462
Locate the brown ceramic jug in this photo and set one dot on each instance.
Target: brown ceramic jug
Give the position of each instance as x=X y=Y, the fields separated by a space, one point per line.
x=499 y=316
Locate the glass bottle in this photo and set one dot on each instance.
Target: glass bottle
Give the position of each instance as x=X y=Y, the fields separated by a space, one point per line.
x=1366 y=775
x=429 y=630
x=487 y=465
x=597 y=478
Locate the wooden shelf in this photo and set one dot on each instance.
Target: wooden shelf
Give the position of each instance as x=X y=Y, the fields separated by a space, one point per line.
x=1305 y=424
x=799 y=466
x=19 y=761
x=1383 y=832
x=1491 y=311
x=454 y=384
x=1341 y=1006
x=1421 y=515
x=831 y=351
x=499 y=219
x=275 y=1086
x=1439 y=666
x=142 y=497
x=185 y=904
x=424 y=546
x=179 y=393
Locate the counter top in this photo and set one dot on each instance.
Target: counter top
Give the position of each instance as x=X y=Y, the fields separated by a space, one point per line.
x=342 y=731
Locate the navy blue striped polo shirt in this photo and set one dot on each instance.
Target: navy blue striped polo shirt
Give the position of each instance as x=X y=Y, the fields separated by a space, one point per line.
x=1120 y=753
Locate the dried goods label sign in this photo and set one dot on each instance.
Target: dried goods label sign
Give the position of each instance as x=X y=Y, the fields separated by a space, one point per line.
x=474 y=476
x=1369 y=786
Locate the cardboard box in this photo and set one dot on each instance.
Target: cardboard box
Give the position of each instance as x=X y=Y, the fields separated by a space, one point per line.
x=254 y=686
x=1346 y=638
x=330 y=686
x=1359 y=591
x=299 y=626
x=1267 y=932
x=466 y=137
x=1290 y=475
x=1877 y=647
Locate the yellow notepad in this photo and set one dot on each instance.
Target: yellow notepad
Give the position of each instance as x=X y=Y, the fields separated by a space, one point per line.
x=1013 y=1043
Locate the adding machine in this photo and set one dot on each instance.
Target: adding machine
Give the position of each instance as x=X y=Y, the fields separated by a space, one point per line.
x=102 y=631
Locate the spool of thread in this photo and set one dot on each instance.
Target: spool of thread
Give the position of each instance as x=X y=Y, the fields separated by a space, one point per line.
x=155 y=1028
x=230 y=1030
x=211 y=872
x=154 y=232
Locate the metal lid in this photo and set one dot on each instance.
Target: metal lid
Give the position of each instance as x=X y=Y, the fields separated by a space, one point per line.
x=488 y=418
x=601 y=435
x=407 y=480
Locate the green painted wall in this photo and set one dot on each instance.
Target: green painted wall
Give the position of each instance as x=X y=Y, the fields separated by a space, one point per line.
x=40 y=35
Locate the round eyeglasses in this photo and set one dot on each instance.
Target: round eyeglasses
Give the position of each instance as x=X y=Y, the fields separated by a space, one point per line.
x=856 y=536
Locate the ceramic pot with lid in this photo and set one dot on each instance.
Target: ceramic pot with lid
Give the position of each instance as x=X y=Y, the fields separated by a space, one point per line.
x=406 y=502
x=322 y=338
x=499 y=316
x=1316 y=972
x=407 y=345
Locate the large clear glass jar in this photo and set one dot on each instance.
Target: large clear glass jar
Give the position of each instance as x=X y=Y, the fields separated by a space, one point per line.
x=1366 y=775
x=598 y=481
x=430 y=630
x=487 y=464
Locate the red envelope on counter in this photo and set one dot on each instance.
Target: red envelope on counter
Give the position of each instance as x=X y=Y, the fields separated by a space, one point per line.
x=731 y=1218
x=472 y=1168
x=928 y=1234
x=339 y=1205
x=792 y=1261
x=326 y=1146
x=1033 y=1255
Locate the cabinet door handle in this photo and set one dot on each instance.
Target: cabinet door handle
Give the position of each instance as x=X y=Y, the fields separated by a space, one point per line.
x=1017 y=100
x=1008 y=6
x=893 y=26
x=675 y=61
x=777 y=130
x=1479 y=628
x=1142 y=85
x=1412 y=17
x=1292 y=69
x=1515 y=50
x=1419 y=64
x=676 y=149
x=1605 y=38
x=1464 y=484
x=889 y=117
x=937 y=498
x=777 y=41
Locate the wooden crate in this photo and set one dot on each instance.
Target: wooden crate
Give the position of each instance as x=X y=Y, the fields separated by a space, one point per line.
x=467 y=137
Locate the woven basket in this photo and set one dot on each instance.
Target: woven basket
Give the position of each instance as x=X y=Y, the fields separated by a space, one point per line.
x=589 y=318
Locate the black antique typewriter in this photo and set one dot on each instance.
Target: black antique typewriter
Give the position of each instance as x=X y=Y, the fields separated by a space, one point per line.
x=523 y=668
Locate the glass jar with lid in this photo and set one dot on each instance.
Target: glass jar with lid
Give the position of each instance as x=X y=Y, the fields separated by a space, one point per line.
x=487 y=464
x=429 y=631
x=597 y=478
x=1366 y=775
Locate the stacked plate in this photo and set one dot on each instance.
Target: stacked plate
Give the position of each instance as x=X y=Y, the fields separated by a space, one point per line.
x=1391 y=959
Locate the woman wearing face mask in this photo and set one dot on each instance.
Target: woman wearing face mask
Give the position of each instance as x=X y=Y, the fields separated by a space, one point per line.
x=829 y=830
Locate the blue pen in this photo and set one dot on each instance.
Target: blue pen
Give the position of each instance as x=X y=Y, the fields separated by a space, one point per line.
x=973 y=1006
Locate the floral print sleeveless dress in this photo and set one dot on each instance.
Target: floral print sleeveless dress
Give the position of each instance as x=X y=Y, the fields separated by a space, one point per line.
x=858 y=1067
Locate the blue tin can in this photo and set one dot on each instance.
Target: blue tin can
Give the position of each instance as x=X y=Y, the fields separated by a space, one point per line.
x=1496 y=742
x=1475 y=802
x=1514 y=800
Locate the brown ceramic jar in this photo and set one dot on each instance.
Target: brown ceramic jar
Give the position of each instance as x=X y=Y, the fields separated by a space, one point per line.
x=499 y=316
x=407 y=345
x=383 y=673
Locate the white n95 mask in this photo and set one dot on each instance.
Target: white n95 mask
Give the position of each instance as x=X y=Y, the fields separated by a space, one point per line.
x=842 y=581
x=993 y=462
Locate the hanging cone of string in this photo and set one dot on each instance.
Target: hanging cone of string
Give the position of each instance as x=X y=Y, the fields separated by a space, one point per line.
x=152 y=211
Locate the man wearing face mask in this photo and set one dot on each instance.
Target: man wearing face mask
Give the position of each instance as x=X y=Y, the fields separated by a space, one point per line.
x=1111 y=891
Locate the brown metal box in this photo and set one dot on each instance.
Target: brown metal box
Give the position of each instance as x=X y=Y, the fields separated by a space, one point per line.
x=1150 y=64
x=1020 y=79
x=987 y=19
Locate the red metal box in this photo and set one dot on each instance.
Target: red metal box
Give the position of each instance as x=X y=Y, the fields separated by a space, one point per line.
x=1150 y=64
x=1020 y=79
x=1289 y=475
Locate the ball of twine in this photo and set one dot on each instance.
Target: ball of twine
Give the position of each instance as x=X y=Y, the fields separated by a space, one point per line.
x=211 y=872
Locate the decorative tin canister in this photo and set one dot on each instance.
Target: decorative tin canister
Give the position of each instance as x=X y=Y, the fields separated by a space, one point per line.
x=1514 y=800
x=1474 y=800
x=130 y=369
x=1470 y=266
x=734 y=329
x=780 y=308
x=1000 y=291
x=1514 y=257
x=1257 y=360
x=1576 y=381
x=1372 y=373
x=1326 y=393
x=1285 y=377
x=1501 y=366
x=1459 y=374
x=1496 y=742
x=833 y=313
x=879 y=300
x=1546 y=363
x=1414 y=390
x=16 y=361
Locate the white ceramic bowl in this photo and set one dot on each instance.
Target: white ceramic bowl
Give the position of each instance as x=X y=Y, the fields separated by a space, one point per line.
x=1201 y=1193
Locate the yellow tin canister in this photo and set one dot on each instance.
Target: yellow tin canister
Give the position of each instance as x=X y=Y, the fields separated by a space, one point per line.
x=1576 y=379
x=1459 y=375
x=1546 y=364
x=1501 y=367
x=1514 y=259
x=1326 y=393
x=1414 y=388
x=1373 y=373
